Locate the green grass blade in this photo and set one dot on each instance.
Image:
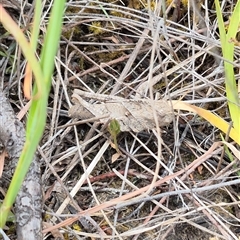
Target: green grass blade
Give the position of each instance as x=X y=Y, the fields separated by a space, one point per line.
x=49 y=50
x=13 y=28
x=231 y=87
x=228 y=54
x=220 y=22
x=37 y=115
x=36 y=24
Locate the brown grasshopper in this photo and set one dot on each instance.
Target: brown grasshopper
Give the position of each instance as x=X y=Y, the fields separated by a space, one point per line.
x=132 y=115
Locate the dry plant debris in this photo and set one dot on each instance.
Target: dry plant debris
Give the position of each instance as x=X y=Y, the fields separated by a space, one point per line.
x=133 y=50
x=132 y=115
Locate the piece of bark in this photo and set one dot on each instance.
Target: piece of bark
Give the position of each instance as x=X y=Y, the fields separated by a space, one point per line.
x=28 y=205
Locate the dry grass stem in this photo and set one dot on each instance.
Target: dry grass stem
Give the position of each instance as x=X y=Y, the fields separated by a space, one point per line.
x=167 y=179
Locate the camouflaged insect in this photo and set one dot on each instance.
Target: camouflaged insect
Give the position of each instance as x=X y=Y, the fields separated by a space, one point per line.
x=132 y=115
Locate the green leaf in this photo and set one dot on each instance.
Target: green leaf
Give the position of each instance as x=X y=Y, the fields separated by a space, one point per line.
x=114 y=130
x=228 y=54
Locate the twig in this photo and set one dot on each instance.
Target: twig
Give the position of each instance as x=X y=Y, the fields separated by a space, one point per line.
x=29 y=200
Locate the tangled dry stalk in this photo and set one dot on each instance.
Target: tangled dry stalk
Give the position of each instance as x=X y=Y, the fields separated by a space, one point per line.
x=167 y=180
